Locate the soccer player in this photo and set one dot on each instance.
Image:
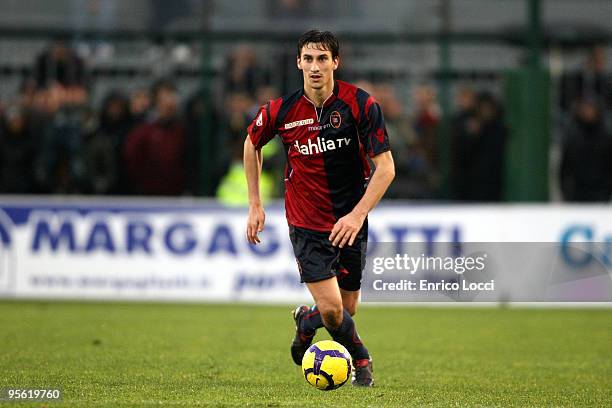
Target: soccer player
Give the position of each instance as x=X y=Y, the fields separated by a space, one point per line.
x=329 y=129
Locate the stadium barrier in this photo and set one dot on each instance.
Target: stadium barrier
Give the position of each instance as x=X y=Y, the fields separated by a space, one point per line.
x=156 y=249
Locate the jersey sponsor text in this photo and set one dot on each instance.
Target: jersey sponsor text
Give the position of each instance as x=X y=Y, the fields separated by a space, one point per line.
x=321 y=145
x=297 y=123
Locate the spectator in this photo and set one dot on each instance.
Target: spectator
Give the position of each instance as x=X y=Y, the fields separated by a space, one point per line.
x=241 y=71
x=482 y=146
x=413 y=175
x=204 y=146
x=61 y=116
x=233 y=121
x=274 y=152
x=591 y=82
x=586 y=164
x=263 y=94
x=426 y=119
x=154 y=152
x=105 y=168
x=140 y=103
x=60 y=64
x=240 y=109
x=18 y=153
x=233 y=189
x=27 y=94
x=463 y=130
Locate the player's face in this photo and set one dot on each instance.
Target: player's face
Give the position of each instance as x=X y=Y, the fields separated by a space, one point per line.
x=317 y=66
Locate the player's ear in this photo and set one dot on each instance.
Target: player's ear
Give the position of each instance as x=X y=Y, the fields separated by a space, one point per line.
x=299 y=62
x=336 y=63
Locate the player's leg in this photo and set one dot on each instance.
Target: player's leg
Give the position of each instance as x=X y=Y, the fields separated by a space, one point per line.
x=316 y=259
x=352 y=259
x=309 y=318
x=304 y=331
x=350 y=300
x=341 y=327
x=328 y=300
x=317 y=263
x=362 y=375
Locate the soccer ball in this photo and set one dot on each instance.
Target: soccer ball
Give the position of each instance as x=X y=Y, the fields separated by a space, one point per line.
x=326 y=365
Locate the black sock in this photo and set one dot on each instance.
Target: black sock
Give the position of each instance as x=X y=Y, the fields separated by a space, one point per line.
x=347 y=335
x=311 y=321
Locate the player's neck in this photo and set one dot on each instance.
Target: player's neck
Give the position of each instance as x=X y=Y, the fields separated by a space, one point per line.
x=319 y=96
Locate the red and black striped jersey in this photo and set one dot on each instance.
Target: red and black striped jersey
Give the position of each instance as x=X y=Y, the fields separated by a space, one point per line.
x=327 y=168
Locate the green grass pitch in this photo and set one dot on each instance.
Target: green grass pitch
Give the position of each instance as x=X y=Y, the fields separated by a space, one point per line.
x=126 y=355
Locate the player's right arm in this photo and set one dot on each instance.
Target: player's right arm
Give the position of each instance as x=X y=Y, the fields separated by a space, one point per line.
x=259 y=133
x=253 y=161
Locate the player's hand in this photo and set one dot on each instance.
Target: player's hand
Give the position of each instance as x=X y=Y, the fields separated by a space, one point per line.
x=346 y=229
x=255 y=223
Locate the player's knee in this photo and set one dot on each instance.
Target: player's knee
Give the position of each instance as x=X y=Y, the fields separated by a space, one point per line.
x=332 y=316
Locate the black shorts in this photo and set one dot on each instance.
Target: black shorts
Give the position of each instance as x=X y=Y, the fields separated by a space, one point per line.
x=318 y=259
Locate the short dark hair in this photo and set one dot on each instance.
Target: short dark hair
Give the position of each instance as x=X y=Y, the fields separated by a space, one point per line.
x=326 y=38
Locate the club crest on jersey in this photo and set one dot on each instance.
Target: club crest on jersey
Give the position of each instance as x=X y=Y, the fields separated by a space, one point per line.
x=335 y=119
x=297 y=123
x=259 y=121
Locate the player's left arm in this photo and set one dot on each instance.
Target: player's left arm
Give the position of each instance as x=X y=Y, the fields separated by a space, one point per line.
x=346 y=228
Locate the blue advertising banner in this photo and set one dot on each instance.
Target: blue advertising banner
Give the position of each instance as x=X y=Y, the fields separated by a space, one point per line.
x=191 y=250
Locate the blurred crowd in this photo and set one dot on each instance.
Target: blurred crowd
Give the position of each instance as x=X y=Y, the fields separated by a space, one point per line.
x=148 y=142
x=53 y=141
x=586 y=123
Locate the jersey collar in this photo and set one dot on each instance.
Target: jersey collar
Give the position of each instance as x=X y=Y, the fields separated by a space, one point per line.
x=329 y=99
